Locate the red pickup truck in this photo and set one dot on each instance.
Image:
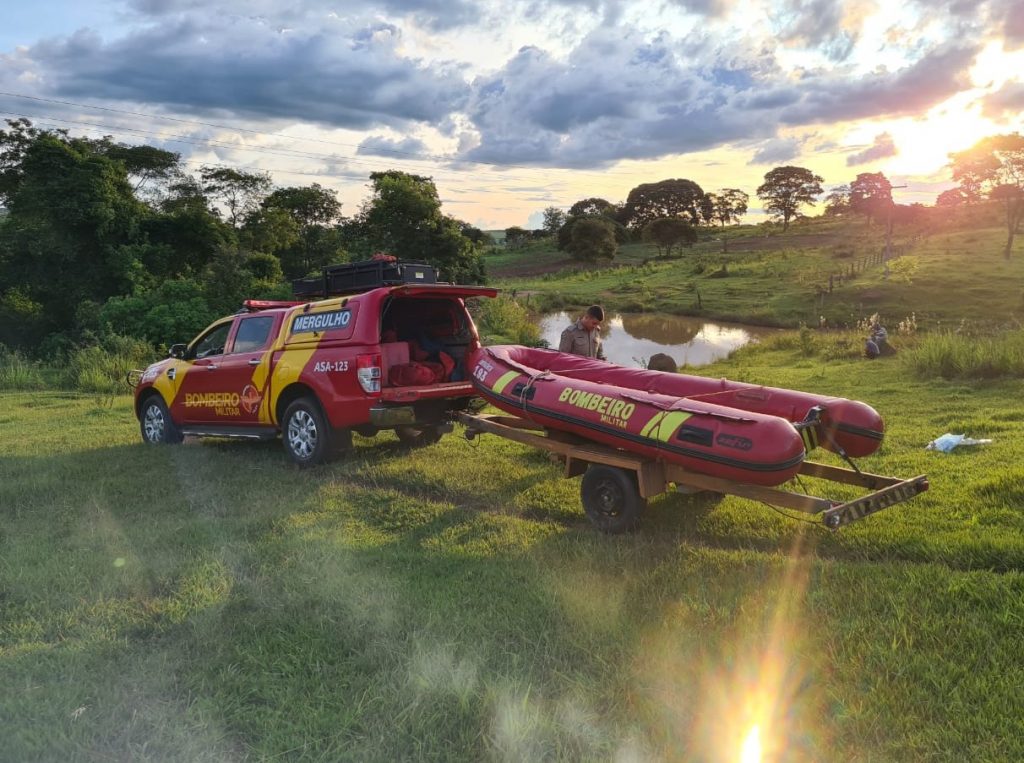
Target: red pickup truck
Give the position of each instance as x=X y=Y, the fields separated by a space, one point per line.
x=389 y=355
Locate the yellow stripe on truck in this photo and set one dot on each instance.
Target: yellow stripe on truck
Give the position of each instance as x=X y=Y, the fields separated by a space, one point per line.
x=289 y=368
x=167 y=388
x=259 y=381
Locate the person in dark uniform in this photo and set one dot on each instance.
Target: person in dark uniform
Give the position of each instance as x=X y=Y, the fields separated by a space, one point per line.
x=584 y=336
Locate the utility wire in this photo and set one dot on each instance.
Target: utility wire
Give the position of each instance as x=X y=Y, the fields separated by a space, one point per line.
x=269 y=151
x=410 y=154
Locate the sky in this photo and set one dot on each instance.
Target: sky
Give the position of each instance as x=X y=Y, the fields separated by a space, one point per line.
x=520 y=105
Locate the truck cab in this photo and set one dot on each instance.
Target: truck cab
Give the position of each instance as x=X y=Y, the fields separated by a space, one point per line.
x=373 y=346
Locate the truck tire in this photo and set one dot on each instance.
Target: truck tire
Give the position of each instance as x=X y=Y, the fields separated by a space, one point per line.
x=418 y=437
x=155 y=423
x=308 y=438
x=611 y=499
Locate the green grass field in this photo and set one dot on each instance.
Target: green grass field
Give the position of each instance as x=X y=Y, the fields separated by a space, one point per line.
x=783 y=280
x=210 y=602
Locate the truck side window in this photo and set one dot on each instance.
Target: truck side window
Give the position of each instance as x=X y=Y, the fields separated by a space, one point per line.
x=253 y=333
x=213 y=342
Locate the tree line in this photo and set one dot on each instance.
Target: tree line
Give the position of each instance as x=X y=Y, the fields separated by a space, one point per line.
x=103 y=238
x=669 y=213
x=100 y=237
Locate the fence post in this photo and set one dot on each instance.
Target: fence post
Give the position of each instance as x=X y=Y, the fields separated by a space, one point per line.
x=830 y=283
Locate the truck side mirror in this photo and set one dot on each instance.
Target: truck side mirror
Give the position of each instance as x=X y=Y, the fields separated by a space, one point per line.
x=177 y=351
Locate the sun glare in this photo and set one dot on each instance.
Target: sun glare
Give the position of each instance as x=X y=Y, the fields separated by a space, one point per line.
x=751 y=750
x=924 y=145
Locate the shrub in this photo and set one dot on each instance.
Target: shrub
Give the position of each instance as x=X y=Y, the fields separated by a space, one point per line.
x=19 y=373
x=592 y=239
x=101 y=368
x=951 y=355
x=503 y=320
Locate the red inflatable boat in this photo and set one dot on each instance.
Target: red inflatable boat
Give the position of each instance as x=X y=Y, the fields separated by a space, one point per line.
x=736 y=431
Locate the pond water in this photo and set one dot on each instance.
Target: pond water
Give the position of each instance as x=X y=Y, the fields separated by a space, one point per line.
x=630 y=339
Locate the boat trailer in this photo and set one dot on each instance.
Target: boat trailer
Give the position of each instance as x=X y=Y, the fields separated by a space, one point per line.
x=616 y=483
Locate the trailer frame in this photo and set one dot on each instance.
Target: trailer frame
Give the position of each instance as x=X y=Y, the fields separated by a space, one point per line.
x=616 y=497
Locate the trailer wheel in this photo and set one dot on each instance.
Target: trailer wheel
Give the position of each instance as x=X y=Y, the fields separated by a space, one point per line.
x=611 y=498
x=417 y=437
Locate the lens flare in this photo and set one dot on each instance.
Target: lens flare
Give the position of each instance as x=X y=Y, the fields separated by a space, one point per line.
x=751 y=750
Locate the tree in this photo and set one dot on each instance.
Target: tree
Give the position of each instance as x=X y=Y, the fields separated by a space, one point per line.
x=786 y=189
x=871 y=196
x=837 y=203
x=307 y=205
x=953 y=197
x=403 y=216
x=996 y=165
x=667 y=198
x=73 y=230
x=554 y=218
x=184 y=240
x=309 y=242
x=143 y=163
x=593 y=239
x=565 y=232
x=666 y=233
x=728 y=206
x=474 y=234
x=515 y=237
x=594 y=207
x=13 y=145
x=240 y=192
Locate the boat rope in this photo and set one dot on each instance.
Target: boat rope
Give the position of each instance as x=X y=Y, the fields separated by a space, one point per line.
x=524 y=396
x=675 y=406
x=704 y=395
x=840 y=451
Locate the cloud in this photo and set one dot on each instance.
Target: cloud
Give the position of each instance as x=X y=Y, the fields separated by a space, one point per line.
x=710 y=8
x=378 y=145
x=1007 y=101
x=617 y=95
x=776 y=151
x=432 y=14
x=832 y=97
x=339 y=77
x=1013 y=23
x=882 y=147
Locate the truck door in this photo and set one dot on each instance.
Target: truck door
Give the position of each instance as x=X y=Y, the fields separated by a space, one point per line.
x=244 y=369
x=202 y=398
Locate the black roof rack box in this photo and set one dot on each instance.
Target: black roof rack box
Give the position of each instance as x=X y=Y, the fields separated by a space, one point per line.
x=362 y=276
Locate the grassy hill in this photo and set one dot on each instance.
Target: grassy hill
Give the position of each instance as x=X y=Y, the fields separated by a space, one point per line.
x=209 y=602
x=784 y=279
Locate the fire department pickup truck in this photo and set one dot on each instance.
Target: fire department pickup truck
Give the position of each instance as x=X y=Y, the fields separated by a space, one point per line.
x=315 y=370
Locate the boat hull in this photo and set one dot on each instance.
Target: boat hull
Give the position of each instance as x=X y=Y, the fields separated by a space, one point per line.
x=550 y=388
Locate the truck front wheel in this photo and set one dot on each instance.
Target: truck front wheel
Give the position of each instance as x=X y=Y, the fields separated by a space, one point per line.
x=156 y=424
x=308 y=437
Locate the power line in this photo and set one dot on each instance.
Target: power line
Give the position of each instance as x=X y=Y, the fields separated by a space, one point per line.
x=433 y=158
x=269 y=151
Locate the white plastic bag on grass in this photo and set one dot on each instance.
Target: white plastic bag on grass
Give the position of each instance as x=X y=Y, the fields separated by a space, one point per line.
x=948 y=441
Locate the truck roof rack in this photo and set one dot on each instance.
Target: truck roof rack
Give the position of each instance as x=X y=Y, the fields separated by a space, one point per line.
x=356 y=277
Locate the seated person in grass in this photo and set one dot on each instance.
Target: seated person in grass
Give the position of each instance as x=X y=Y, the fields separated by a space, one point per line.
x=878 y=341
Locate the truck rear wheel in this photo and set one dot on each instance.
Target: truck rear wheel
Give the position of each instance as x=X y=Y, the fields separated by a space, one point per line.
x=156 y=424
x=417 y=437
x=308 y=437
x=611 y=498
